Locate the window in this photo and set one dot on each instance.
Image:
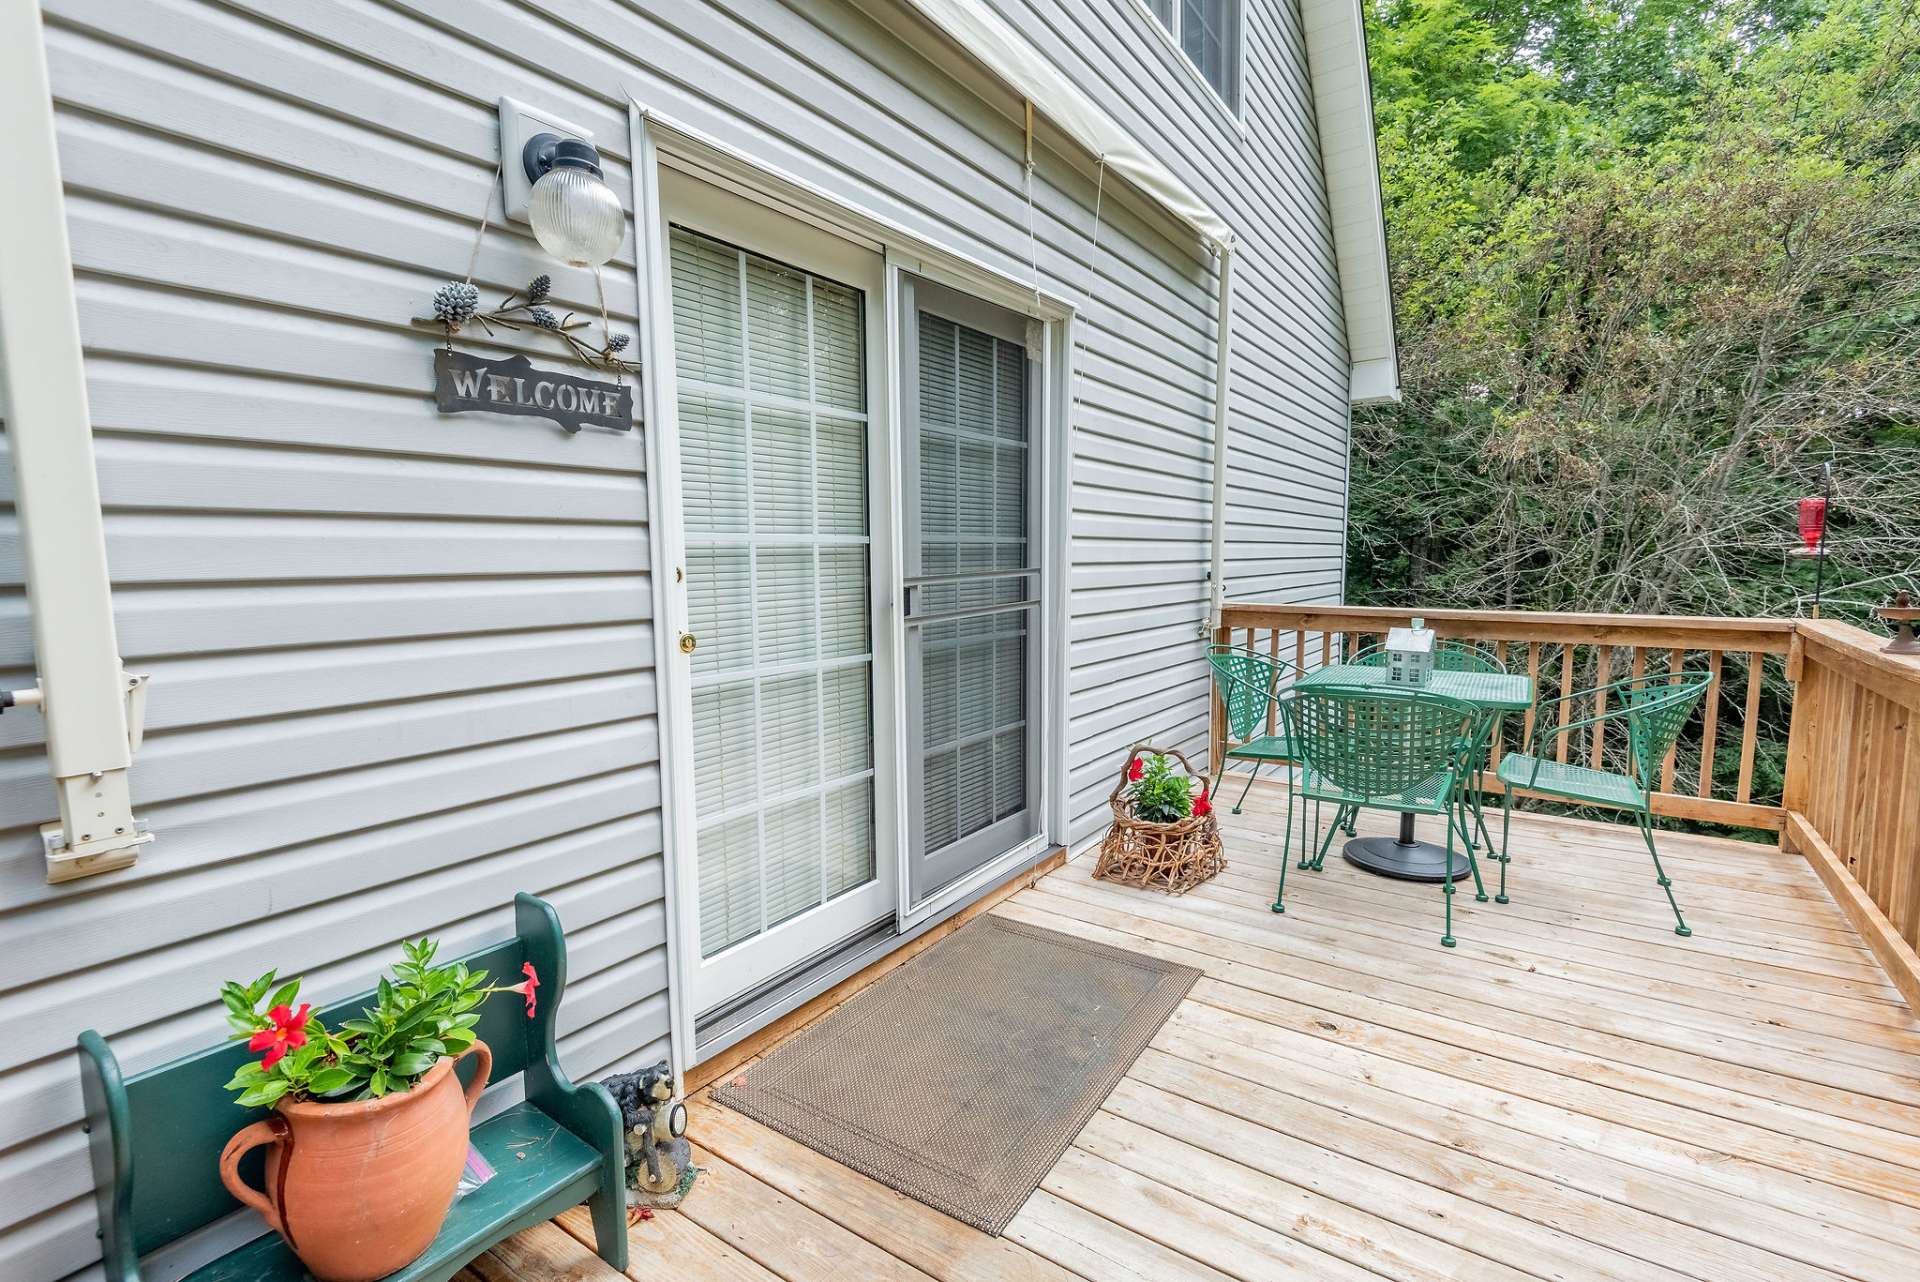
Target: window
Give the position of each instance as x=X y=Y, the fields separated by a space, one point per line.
x=1208 y=32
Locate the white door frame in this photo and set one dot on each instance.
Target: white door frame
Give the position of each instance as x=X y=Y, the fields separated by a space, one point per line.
x=658 y=140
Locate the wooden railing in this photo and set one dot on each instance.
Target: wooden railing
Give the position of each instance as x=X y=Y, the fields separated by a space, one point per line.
x=1564 y=653
x=1819 y=701
x=1853 y=786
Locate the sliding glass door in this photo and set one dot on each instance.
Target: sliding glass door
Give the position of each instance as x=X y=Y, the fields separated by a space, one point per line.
x=972 y=597
x=773 y=325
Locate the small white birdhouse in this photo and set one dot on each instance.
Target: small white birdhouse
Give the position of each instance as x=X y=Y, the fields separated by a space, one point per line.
x=1410 y=655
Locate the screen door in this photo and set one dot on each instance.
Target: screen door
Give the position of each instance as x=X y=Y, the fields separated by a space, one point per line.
x=774 y=378
x=972 y=598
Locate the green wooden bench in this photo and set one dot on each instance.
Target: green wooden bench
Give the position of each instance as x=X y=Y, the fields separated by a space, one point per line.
x=562 y=1146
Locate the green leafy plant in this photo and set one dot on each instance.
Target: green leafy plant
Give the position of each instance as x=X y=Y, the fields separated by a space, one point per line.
x=420 y=1014
x=1161 y=793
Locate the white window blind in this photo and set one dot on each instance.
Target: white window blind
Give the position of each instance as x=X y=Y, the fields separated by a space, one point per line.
x=773 y=441
x=973 y=525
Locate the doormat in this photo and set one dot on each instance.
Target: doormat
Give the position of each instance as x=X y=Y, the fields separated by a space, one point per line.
x=961 y=1077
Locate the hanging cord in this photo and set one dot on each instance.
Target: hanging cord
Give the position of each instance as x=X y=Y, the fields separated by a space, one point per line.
x=486 y=211
x=1093 y=279
x=606 y=326
x=1033 y=255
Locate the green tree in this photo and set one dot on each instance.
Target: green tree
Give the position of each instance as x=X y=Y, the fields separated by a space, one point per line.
x=1654 y=264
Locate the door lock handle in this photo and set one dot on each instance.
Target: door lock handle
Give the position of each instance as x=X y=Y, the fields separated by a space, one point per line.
x=688 y=642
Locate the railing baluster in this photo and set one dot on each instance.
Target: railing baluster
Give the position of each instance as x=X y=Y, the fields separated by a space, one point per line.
x=1675 y=657
x=1710 y=723
x=1533 y=679
x=1273 y=651
x=1750 y=727
x=1300 y=649
x=1601 y=671
x=1499 y=723
x=1566 y=704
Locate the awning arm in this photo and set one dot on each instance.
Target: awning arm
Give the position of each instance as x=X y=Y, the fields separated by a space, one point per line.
x=90 y=704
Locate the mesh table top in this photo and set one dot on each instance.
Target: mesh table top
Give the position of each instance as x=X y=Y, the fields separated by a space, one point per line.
x=1495 y=691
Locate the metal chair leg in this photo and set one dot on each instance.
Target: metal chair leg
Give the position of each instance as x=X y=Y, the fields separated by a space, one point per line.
x=1286 y=842
x=1320 y=856
x=1660 y=875
x=1249 y=785
x=1447 y=940
x=1506 y=816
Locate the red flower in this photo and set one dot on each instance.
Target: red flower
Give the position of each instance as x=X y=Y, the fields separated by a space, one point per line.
x=1201 y=806
x=1137 y=769
x=289 y=1032
x=533 y=982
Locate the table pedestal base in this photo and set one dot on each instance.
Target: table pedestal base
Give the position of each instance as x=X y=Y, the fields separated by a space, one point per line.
x=1405 y=858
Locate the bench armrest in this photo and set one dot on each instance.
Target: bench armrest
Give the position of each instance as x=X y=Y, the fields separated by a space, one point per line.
x=111 y=1150
x=588 y=1111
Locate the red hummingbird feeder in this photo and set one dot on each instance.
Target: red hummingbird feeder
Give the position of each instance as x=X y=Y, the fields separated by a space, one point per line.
x=1813 y=528
x=1813 y=533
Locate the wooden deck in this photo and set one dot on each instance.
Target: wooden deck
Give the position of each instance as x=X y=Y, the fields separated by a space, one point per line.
x=1574 y=1092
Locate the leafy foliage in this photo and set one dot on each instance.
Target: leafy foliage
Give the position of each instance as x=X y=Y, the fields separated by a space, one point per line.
x=421 y=1013
x=1163 y=794
x=1656 y=264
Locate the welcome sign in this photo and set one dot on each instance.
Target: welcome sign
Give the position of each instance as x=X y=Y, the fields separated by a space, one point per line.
x=463 y=383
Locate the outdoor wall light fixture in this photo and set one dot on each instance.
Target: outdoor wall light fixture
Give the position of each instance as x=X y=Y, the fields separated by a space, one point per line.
x=576 y=217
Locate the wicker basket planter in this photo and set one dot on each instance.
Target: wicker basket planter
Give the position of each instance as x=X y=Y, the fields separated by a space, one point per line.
x=1174 y=857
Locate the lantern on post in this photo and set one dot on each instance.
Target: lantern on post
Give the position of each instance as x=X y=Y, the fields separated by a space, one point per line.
x=1410 y=654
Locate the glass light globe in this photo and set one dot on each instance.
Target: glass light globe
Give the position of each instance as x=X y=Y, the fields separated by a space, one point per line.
x=575 y=216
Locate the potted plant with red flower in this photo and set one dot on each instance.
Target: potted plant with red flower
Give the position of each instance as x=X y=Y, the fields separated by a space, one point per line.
x=369 y=1129
x=1163 y=833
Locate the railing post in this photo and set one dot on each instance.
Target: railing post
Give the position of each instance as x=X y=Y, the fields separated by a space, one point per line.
x=1794 y=787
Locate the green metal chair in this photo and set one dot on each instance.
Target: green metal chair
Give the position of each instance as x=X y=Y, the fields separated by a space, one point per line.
x=1452 y=656
x=1249 y=684
x=1386 y=750
x=1654 y=715
x=1464 y=656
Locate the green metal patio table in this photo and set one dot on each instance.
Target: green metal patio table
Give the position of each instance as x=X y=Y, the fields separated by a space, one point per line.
x=1403 y=856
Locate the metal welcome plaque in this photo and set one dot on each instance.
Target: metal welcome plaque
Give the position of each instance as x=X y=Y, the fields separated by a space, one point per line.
x=463 y=382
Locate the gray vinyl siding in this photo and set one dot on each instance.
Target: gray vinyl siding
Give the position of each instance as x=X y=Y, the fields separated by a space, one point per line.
x=1142 y=521
x=402 y=663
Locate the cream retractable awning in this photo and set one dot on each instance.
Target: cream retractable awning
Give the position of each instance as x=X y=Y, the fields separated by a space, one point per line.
x=1343 y=99
x=1004 y=51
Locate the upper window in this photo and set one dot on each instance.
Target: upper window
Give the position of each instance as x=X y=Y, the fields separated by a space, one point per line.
x=1208 y=32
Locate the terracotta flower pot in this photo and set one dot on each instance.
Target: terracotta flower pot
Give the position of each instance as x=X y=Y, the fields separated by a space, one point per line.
x=359 y=1190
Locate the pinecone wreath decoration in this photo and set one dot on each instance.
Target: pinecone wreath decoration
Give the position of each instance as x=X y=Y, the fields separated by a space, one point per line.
x=539 y=288
x=455 y=302
x=543 y=318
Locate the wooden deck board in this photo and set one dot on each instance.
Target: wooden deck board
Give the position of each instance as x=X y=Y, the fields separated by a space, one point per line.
x=1572 y=1093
